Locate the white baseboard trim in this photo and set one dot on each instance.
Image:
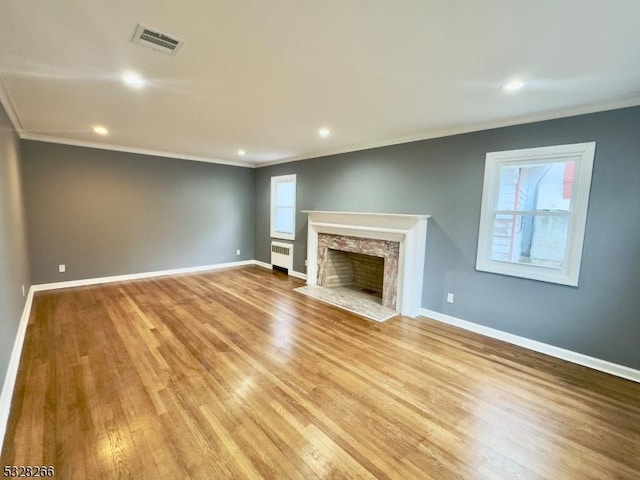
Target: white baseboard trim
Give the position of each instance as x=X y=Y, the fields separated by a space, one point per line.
x=160 y=273
x=292 y=273
x=138 y=276
x=302 y=276
x=568 y=355
x=12 y=371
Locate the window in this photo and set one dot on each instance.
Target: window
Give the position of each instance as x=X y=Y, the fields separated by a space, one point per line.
x=534 y=210
x=283 y=207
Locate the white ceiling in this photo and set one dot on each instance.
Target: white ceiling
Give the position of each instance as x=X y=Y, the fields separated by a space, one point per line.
x=264 y=76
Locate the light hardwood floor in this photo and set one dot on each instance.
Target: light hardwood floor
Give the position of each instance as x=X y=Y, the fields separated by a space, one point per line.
x=231 y=374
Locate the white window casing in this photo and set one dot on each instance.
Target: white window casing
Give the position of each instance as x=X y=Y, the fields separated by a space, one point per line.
x=283 y=207
x=561 y=221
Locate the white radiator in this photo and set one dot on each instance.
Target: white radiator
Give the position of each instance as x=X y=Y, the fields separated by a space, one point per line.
x=282 y=255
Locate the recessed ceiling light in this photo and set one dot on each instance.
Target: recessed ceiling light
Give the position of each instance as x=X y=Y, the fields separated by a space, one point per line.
x=241 y=152
x=513 y=85
x=133 y=79
x=324 y=132
x=100 y=130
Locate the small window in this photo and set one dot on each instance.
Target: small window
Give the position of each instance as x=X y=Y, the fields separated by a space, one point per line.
x=534 y=211
x=283 y=207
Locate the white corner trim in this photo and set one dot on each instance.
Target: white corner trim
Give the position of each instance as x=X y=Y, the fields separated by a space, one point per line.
x=12 y=371
x=137 y=276
x=302 y=276
x=123 y=148
x=553 y=351
x=10 y=107
x=263 y=264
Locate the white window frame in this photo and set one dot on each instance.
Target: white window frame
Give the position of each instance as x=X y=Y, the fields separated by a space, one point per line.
x=274 y=181
x=568 y=274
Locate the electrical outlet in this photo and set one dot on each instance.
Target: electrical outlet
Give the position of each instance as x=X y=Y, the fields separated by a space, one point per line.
x=449 y=297
x=23 y=291
x=62 y=268
x=238 y=252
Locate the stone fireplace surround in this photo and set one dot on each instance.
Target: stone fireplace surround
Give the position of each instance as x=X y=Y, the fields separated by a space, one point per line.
x=409 y=231
x=385 y=249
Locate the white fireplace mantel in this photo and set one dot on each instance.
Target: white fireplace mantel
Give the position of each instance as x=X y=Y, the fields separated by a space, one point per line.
x=409 y=230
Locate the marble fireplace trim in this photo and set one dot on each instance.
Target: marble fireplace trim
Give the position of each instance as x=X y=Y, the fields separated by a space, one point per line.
x=409 y=230
x=385 y=249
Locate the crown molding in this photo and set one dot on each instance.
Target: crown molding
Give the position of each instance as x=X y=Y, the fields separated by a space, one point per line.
x=469 y=128
x=123 y=148
x=9 y=107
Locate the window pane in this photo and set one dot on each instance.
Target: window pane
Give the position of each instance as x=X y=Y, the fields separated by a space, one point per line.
x=284 y=219
x=530 y=239
x=546 y=186
x=285 y=194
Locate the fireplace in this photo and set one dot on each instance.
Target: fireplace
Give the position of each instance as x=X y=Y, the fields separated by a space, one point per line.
x=360 y=263
x=349 y=249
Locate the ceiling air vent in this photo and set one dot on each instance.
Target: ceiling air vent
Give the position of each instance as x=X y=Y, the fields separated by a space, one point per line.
x=148 y=37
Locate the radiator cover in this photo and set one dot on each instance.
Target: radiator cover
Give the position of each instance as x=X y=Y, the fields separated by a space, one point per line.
x=282 y=255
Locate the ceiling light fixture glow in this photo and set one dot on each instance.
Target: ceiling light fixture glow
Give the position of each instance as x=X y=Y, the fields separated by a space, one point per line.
x=513 y=85
x=133 y=79
x=324 y=132
x=242 y=153
x=100 y=130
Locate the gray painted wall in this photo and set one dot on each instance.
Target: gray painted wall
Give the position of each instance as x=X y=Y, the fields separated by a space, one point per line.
x=443 y=177
x=14 y=265
x=105 y=213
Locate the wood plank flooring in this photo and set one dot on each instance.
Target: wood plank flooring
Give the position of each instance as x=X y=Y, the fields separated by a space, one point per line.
x=231 y=374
